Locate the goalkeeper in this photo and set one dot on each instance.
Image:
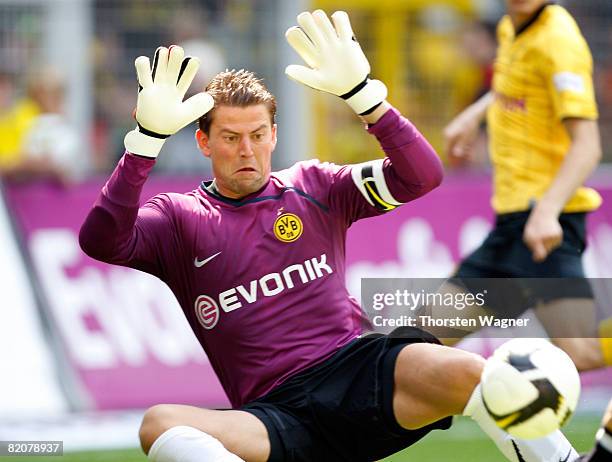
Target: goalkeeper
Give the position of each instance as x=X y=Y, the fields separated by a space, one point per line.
x=256 y=261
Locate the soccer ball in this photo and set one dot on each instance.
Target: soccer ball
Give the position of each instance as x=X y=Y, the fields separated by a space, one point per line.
x=530 y=387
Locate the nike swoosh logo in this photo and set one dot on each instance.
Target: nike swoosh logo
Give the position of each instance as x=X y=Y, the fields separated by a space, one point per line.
x=200 y=263
x=567 y=457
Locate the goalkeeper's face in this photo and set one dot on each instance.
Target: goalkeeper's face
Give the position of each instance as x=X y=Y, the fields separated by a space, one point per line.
x=239 y=144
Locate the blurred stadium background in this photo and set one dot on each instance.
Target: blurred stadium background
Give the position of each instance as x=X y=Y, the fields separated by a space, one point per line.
x=84 y=347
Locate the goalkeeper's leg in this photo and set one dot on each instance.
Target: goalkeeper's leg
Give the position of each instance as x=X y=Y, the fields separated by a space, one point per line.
x=177 y=433
x=434 y=381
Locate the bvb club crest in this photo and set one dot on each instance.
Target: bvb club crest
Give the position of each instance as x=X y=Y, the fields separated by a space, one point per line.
x=288 y=227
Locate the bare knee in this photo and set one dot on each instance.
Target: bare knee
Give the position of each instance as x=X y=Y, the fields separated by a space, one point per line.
x=433 y=382
x=240 y=432
x=156 y=420
x=461 y=372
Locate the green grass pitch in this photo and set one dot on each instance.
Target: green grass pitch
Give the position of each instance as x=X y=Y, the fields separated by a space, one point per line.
x=463 y=443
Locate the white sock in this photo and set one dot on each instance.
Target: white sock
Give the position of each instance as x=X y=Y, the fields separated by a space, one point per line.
x=188 y=444
x=551 y=448
x=476 y=410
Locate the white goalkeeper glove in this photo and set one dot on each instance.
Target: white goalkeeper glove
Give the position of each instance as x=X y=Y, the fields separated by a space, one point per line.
x=160 y=110
x=336 y=63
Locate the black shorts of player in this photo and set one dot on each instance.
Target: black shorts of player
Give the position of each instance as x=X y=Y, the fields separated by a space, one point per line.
x=503 y=254
x=342 y=408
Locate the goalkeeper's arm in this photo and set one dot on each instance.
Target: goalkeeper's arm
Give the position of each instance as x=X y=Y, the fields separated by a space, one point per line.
x=117 y=230
x=336 y=64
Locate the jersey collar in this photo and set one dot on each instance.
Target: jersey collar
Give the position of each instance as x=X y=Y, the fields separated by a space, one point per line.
x=273 y=190
x=210 y=189
x=532 y=19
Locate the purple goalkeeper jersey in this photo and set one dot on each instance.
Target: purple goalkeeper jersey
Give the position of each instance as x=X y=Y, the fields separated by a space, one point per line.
x=261 y=280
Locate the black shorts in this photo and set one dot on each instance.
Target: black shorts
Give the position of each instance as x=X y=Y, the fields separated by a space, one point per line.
x=503 y=254
x=342 y=409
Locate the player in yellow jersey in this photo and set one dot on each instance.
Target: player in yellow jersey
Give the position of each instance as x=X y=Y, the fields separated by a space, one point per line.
x=544 y=142
x=16 y=117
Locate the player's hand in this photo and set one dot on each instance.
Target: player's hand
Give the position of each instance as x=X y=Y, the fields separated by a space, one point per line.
x=160 y=110
x=460 y=136
x=542 y=234
x=335 y=61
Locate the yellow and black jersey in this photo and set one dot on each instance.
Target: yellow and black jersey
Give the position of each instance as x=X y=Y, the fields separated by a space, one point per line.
x=543 y=75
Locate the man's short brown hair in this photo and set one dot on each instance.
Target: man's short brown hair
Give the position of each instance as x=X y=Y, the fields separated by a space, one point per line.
x=240 y=89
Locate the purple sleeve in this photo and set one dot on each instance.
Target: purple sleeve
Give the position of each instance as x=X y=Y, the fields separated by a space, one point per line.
x=413 y=168
x=117 y=230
